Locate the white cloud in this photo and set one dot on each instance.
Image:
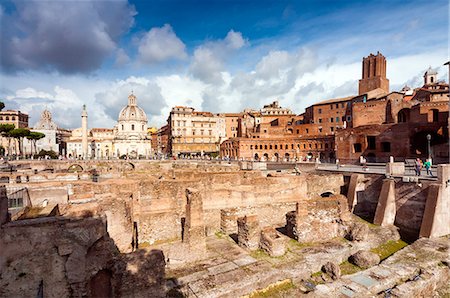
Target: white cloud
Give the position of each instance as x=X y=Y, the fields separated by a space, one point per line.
x=209 y=59
x=121 y=58
x=234 y=40
x=160 y=44
x=49 y=35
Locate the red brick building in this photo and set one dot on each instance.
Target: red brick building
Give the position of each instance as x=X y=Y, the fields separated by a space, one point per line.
x=398 y=124
x=374 y=124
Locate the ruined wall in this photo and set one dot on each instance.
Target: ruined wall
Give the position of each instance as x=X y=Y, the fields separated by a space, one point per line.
x=162 y=202
x=57 y=255
x=410 y=199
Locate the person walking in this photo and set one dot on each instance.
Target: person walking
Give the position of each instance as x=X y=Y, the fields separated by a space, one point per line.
x=418 y=166
x=427 y=165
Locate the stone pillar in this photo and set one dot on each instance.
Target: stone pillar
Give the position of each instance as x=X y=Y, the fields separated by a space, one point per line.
x=228 y=220
x=249 y=232
x=4 y=215
x=386 y=209
x=295 y=218
x=84 y=132
x=353 y=188
x=436 y=216
x=195 y=225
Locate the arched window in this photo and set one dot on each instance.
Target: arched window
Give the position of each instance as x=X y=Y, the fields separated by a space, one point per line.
x=276 y=147
x=132 y=126
x=403 y=116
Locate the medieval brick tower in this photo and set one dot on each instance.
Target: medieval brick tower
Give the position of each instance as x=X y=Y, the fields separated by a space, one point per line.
x=373 y=74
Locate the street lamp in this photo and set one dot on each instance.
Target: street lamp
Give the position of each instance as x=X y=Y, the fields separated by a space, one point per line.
x=429 y=147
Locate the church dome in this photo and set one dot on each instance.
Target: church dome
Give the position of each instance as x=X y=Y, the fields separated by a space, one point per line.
x=132 y=112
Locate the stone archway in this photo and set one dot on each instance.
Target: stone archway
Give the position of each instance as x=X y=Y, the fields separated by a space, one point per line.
x=75 y=168
x=256 y=156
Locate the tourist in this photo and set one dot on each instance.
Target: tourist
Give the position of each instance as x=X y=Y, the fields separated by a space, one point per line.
x=427 y=165
x=418 y=166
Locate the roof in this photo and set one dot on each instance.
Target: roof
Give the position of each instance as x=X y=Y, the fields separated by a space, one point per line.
x=334 y=100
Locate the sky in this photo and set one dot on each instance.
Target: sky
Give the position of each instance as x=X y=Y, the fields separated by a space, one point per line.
x=217 y=56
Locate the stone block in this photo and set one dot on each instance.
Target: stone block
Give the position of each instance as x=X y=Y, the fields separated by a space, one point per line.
x=395 y=168
x=364 y=259
x=358 y=232
x=332 y=269
x=272 y=242
x=248 y=232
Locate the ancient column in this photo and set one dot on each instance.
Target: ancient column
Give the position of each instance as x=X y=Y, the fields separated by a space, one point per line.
x=195 y=225
x=84 y=132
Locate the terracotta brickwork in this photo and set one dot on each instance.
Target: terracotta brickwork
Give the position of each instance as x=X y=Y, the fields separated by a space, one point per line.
x=373 y=74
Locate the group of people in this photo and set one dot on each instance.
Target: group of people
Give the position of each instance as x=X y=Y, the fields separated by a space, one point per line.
x=418 y=165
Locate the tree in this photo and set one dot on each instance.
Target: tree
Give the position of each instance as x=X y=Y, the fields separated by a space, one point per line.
x=20 y=134
x=5 y=130
x=2 y=105
x=34 y=136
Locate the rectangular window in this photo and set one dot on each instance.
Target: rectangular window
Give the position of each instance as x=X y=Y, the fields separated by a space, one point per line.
x=331 y=120
x=337 y=119
x=386 y=146
x=320 y=120
x=371 y=143
x=320 y=111
x=337 y=106
x=332 y=129
x=320 y=129
x=307 y=130
x=331 y=106
x=298 y=131
x=357 y=147
x=349 y=118
x=342 y=105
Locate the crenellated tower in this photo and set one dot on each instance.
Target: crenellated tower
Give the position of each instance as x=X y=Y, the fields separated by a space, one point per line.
x=373 y=74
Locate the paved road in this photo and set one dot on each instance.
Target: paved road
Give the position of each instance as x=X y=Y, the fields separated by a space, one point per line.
x=375 y=169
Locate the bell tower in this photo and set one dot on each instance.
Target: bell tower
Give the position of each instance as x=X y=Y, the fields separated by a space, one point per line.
x=373 y=74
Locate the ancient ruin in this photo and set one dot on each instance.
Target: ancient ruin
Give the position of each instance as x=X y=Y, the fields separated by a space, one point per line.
x=219 y=229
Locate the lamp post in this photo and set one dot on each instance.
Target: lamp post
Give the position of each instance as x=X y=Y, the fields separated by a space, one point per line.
x=429 y=147
x=448 y=121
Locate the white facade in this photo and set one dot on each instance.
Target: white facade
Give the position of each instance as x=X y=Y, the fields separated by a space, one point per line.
x=129 y=137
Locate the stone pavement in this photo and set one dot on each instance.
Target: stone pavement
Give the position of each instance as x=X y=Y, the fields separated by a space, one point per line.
x=414 y=271
x=228 y=270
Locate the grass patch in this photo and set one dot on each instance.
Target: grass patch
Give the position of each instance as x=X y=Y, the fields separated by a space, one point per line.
x=273 y=290
x=220 y=234
x=389 y=248
x=348 y=268
x=301 y=244
x=371 y=225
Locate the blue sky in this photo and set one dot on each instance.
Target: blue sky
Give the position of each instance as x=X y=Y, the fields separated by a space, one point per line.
x=220 y=56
